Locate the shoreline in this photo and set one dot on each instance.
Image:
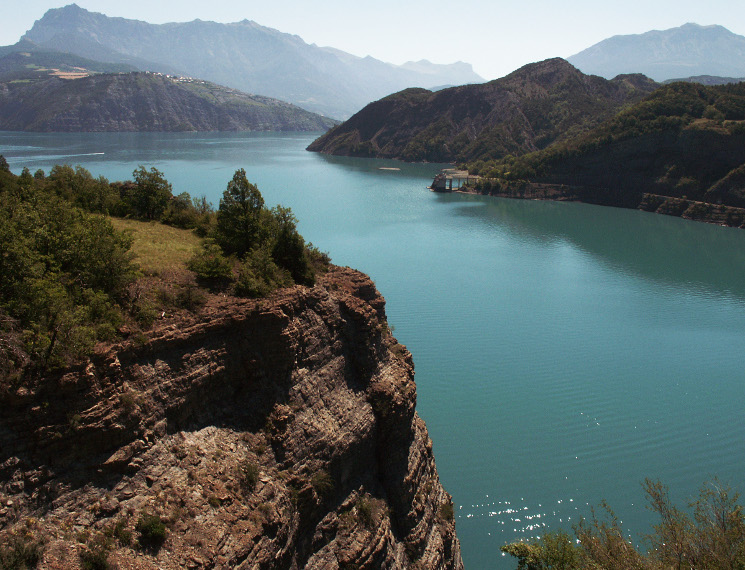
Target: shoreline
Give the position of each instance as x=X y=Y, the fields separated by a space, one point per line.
x=694 y=210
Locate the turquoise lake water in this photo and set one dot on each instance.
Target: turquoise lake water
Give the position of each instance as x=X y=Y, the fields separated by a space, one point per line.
x=563 y=352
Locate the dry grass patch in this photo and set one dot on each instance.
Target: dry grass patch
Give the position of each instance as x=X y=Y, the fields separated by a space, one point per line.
x=159 y=248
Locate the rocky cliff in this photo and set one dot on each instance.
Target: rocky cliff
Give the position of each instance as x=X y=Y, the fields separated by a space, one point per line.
x=275 y=433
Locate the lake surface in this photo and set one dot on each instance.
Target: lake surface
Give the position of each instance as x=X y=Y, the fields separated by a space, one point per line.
x=564 y=352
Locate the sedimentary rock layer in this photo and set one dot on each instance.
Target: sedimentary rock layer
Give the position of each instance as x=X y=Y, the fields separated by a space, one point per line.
x=278 y=433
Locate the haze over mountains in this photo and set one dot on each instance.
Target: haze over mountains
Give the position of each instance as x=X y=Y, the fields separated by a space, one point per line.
x=243 y=55
x=144 y=101
x=686 y=51
x=263 y=61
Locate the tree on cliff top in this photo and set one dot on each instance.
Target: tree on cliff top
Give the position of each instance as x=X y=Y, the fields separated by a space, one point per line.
x=272 y=252
x=239 y=216
x=63 y=277
x=151 y=194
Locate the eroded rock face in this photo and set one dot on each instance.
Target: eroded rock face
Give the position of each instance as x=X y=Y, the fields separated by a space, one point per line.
x=279 y=433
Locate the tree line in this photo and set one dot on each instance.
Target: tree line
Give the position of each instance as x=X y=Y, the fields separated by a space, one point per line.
x=67 y=275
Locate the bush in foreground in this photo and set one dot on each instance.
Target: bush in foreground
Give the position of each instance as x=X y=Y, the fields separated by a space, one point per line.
x=714 y=538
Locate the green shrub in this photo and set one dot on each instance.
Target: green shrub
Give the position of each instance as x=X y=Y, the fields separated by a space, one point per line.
x=190 y=297
x=713 y=538
x=553 y=550
x=63 y=273
x=259 y=275
x=248 y=474
x=20 y=552
x=210 y=264
x=446 y=511
x=152 y=531
x=322 y=484
x=120 y=532
x=95 y=556
x=319 y=260
x=365 y=511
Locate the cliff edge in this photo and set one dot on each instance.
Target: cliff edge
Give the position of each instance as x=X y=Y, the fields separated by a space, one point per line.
x=273 y=433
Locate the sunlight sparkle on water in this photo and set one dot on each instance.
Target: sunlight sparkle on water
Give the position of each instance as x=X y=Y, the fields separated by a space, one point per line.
x=521 y=518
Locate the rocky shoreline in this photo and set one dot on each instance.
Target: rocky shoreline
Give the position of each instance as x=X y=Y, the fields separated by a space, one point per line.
x=681 y=207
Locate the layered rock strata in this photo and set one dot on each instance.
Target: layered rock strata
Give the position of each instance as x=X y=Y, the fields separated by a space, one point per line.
x=278 y=433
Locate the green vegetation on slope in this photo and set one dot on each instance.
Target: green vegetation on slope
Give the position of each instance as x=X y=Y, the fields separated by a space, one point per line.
x=63 y=276
x=69 y=276
x=683 y=140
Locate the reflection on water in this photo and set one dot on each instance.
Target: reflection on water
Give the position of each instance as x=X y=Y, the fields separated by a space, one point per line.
x=668 y=250
x=403 y=170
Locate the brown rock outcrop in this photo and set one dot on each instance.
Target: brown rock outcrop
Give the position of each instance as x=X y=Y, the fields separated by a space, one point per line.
x=278 y=433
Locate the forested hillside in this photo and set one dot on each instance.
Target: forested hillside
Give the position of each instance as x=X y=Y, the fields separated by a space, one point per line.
x=683 y=140
x=525 y=111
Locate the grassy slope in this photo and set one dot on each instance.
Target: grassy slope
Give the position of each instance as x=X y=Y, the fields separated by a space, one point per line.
x=159 y=248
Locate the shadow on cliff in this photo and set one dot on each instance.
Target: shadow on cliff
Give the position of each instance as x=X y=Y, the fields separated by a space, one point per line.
x=251 y=370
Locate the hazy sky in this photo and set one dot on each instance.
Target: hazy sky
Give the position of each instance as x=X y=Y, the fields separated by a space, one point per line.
x=495 y=36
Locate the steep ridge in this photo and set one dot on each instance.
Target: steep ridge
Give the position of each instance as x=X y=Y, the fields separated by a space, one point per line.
x=278 y=433
x=145 y=102
x=243 y=55
x=522 y=112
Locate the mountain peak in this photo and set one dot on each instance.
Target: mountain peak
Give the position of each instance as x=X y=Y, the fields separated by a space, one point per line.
x=695 y=26
x=243 y=55
x=688 y=50
x=548 y=69
x=483 y=121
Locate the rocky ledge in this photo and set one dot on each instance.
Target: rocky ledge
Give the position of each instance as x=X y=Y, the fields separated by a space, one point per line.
x=278 y=433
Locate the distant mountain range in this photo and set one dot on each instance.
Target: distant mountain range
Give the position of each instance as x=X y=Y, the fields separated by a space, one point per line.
x=686 y=51
x=243 y=55
x=707 y=80
x=525 y=111
x=137 y=102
